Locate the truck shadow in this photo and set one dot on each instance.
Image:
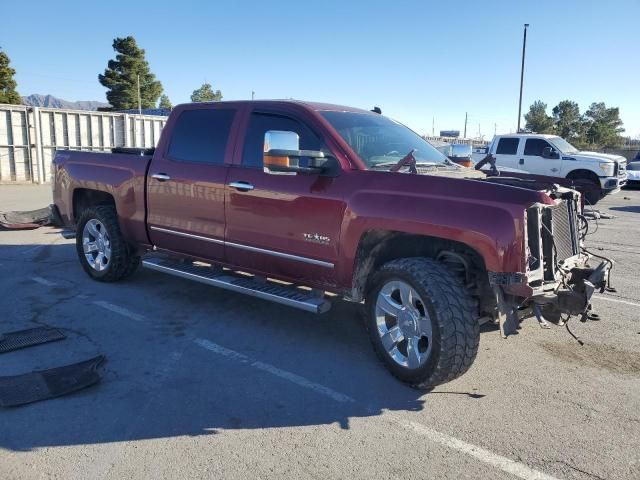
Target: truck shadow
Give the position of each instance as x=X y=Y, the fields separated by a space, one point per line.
x=159 y=383
x=627 y=208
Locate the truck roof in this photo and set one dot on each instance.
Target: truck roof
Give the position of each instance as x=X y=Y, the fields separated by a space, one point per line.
x=318 y=106
x=541 y=135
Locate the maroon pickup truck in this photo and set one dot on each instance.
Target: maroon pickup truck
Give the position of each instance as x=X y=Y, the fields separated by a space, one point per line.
x=288 y=200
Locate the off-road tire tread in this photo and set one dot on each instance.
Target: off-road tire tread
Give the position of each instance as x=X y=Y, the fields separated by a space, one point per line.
x=124 y=260
x=455 y=315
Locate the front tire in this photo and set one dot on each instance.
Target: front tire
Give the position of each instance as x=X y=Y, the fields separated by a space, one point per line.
x=591 y=186
x=421 y=322
x=103 y=252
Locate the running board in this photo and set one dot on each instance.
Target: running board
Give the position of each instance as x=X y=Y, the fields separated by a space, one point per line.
x=266 y=290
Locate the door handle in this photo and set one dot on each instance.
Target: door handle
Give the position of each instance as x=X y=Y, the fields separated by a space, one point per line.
x=554 y=169
x=241 y=186
x=521 y=162
x=163 y=177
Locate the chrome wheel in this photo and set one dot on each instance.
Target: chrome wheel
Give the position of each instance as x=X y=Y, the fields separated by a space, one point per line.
x=403 y=324
x=96 y=245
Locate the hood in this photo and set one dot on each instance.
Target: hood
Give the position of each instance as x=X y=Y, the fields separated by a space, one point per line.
x=454 y=172
x=597 y=156
x=461 y=184
x=512 y=177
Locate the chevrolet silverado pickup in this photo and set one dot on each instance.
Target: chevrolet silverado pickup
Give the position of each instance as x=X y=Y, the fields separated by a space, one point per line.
x=299 y=203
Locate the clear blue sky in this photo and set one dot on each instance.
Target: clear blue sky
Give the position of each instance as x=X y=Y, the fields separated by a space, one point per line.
x=415 y=59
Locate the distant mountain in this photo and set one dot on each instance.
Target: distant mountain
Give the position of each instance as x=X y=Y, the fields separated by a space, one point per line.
x=50 y=101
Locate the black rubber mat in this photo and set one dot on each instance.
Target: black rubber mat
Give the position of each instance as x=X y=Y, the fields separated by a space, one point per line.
x=27 y=338
x=45 y=384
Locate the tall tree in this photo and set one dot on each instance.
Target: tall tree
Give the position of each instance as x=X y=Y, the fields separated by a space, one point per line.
x=568 y=122
x=165 y=102
x=537 y=119
x=206 y=94
x=603 y=125
x=121 y=77
x=8 y=93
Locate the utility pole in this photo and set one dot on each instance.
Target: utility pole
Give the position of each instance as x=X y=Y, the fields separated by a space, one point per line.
x=433 y=126
x=465 y=125
x=495 y=129
x=479 y=136
x=253 y=94
x=524 y=48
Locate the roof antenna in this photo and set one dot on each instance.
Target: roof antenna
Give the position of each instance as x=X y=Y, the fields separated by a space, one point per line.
x=377 y=110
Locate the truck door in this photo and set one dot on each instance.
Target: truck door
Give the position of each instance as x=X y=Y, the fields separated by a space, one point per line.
x=186 y=183
x=506 y=152
x=538 y=161
x=282 y=224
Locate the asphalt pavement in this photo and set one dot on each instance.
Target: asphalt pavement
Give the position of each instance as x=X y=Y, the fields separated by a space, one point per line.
x=204 y=383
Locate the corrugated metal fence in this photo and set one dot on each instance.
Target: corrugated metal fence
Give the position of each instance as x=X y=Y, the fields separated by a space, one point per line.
x=29 y=137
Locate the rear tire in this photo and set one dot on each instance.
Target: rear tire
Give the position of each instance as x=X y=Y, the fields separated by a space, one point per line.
x=438 y=321
x=103 y=252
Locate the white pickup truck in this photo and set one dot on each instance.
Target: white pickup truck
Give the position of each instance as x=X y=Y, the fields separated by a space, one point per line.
x=553 y=156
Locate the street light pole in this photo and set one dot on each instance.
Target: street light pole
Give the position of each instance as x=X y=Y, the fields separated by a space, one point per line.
x=524 y=48
x=465 y=125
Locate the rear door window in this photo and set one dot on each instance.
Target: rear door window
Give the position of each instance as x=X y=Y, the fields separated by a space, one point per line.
x=201 y=135
x=534 y=146
x=507 y=146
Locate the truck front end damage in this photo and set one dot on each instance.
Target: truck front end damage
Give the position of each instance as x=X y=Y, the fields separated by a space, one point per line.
x=560 y=275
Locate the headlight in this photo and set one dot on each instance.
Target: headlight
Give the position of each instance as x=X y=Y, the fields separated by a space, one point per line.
x=607 y=168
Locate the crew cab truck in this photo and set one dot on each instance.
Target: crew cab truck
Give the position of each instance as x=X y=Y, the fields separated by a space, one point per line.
x=288 y=200
x=553 y=156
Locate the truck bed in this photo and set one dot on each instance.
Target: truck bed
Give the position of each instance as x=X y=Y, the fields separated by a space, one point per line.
x=121 y=176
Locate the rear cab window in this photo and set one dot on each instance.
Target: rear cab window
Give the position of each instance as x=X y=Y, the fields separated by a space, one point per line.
x=201 y=136
x=507 y=146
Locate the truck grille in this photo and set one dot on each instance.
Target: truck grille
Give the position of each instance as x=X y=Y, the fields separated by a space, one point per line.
x=556 y=239
x=561 y=227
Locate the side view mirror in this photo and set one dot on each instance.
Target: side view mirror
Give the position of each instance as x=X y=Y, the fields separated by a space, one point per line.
x=549 y=152
x=461 y=150
x=282 y=154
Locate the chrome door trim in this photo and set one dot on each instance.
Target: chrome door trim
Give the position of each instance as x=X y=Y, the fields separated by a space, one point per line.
x=163 y=177
x=288 y=256
x=187 y=235
x=245 y=186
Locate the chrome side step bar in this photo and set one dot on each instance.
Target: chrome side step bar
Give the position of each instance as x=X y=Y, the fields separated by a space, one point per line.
x=255 y=287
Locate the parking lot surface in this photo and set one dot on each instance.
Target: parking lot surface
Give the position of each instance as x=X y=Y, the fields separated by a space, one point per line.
x=204 y=383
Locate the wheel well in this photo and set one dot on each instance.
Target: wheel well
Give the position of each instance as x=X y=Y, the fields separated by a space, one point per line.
x=379 y=247
x=583 y=174
x=84 y=198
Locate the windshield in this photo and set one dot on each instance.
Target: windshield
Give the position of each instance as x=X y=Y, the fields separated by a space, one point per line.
x=381 y=142
x=562 y=145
